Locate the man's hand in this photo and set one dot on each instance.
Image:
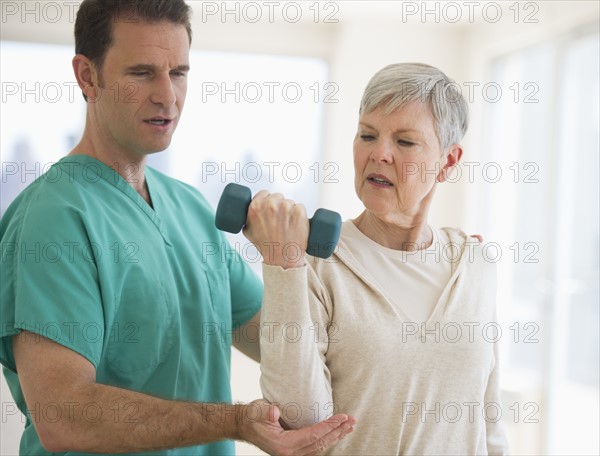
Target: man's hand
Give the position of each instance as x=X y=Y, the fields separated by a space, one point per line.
x=259 y=425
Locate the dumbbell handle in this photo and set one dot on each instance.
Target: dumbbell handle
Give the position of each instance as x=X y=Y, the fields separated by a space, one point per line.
x=232 y=213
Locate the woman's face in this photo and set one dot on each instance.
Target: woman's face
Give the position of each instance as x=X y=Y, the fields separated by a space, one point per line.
x=397 y=161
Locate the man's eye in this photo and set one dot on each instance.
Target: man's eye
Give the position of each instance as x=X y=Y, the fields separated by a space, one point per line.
x=179 y=74
x=139 y=73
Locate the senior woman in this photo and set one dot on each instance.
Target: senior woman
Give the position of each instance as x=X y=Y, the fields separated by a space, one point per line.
x=394 y=328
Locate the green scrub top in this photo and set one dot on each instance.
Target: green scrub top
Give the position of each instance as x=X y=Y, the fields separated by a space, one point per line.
x=149 y=295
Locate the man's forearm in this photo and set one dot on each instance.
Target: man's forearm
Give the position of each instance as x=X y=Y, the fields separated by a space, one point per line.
x=132 y=421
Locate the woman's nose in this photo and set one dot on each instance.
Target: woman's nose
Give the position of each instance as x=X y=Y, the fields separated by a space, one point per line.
x=382 y=152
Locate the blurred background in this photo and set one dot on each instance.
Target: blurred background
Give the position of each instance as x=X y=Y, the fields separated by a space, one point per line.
x=272 y=103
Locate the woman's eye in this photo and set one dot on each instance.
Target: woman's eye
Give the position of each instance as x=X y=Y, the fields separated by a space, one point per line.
x=405 y=143
x=367 y=137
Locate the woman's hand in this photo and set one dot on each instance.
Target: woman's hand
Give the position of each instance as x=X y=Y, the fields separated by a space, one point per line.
x=278 y=227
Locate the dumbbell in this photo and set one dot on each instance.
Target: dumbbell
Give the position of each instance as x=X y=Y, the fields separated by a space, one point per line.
x=232 y=212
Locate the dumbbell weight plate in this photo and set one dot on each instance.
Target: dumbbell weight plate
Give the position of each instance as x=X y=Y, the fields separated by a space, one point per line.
x=325 y=227
x=232 y=209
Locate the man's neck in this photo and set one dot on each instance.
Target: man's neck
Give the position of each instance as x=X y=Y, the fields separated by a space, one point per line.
x=130 y=169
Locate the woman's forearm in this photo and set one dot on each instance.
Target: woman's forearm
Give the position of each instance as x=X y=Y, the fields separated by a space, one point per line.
x=293 y=342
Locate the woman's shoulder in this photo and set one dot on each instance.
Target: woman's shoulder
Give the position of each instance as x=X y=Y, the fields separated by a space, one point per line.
x=458 y=236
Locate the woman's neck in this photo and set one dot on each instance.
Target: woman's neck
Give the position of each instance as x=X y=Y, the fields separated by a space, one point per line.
x=408 y=235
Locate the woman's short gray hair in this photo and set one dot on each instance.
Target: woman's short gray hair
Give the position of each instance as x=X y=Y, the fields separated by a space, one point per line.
x=401 y=83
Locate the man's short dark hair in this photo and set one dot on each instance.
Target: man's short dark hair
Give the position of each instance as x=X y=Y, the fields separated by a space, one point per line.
x=95 y=19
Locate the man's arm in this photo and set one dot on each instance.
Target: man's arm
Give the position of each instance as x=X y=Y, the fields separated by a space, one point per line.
x=247 y=338
x=90 y=412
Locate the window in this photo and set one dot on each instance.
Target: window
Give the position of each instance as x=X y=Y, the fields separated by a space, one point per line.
x=42 y=112
x=544 y=135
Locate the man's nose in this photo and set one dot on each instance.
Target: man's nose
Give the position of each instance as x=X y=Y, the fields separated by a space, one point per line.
x=163 y=91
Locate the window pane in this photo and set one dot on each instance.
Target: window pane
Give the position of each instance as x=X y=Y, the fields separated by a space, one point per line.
x=547 y=139
x=580 y=97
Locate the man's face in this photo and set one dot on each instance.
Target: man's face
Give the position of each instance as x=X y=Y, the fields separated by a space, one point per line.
x=143 y=86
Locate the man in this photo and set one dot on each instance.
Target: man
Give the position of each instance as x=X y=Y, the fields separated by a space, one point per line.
x=116 y=324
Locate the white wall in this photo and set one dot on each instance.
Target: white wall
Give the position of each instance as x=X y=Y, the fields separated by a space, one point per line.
x=368 y=36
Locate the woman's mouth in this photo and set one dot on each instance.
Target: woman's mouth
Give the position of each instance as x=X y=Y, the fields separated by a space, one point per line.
x=379 y=181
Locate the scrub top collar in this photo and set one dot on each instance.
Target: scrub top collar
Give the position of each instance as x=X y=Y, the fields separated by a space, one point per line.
x=93 y=170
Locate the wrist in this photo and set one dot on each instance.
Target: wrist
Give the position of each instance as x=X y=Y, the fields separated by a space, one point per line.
x=286 y=264
x=287 y=255
x=240 y=431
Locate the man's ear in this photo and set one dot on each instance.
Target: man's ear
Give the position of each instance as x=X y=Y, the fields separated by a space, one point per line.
x=452 y=159
x=87 y=77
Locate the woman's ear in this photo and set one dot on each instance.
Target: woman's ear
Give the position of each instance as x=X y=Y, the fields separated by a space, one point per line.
x=452 y=158
x=87 y=78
